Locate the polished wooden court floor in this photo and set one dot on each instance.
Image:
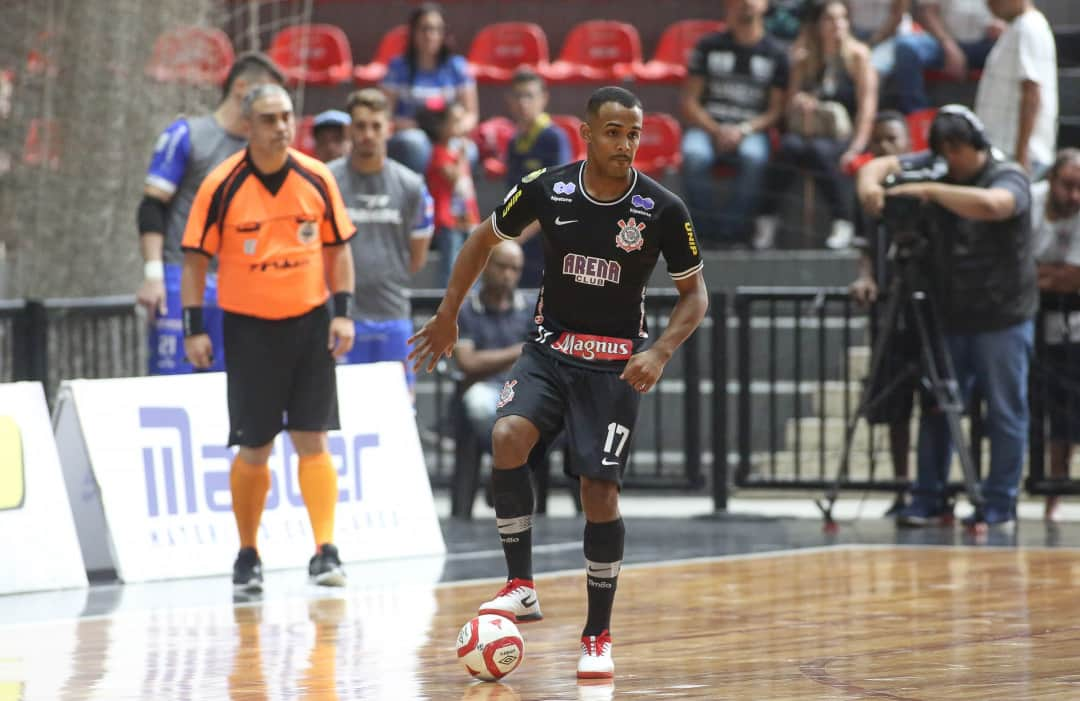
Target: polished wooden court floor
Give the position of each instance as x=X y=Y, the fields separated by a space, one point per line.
x=843 y=622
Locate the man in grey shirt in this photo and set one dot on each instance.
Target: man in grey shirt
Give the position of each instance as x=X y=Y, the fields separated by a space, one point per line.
x=392 y=211
x=185 y=152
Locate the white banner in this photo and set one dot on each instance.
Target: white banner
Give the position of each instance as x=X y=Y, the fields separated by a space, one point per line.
x=156 y=449
x=38 y=546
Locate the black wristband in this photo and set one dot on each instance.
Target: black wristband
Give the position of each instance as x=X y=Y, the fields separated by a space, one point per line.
x=193 y=321
x=343 y=304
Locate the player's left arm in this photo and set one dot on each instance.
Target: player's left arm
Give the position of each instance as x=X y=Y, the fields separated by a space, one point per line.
x=644 y=369
x=680 y=249
x=337 y=229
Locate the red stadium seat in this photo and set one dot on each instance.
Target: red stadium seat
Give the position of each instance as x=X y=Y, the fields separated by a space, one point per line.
x=668 y=65
x=498 y=49
x=661 y=144
x=919 y=128
x=571 y=126
x=596 y=51
x=191 y=55
x=317 y=54
x=305 y=135
x=393 y=44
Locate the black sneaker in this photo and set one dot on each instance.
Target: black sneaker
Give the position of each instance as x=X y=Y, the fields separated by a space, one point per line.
x=247 y=572
x=325 y=567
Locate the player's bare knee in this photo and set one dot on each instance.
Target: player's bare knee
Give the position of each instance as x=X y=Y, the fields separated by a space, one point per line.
x=309 y=442
x=257 y=455
x=512 y=439
x=599 y=500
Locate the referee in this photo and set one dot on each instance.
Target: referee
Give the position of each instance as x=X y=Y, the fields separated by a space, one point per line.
x=276 y=222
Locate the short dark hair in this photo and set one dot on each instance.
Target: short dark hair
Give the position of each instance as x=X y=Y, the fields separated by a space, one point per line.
x=890 y=116
x=953 y=129
x=610 y=93
x=432 y=117
x=1064 y=157
x=370 y=98
x=526 y=75
x=251 y=64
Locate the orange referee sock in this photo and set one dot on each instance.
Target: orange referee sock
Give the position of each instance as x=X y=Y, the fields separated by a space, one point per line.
x=249 y=485
x=319 y=487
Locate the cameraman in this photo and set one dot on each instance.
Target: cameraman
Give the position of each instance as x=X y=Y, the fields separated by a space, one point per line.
x=983 y=280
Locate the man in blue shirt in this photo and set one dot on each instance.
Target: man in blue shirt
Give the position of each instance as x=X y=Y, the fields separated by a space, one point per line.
x=185 y=152
x=537 y=143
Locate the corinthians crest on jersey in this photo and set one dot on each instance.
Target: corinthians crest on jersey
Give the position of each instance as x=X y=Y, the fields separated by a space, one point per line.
x=630 y=238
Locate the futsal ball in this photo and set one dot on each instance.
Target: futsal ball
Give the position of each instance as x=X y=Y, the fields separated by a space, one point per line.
x=490 y=647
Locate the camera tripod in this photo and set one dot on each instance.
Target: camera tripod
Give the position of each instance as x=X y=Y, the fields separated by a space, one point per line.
x=907 y=291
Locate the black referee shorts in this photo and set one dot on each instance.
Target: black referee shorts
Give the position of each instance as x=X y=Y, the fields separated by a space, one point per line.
x=597 y=409
x=280 y=375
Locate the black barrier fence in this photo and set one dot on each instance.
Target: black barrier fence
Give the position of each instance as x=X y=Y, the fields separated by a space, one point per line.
x=797 y=355
x=58 y=339
x=800 y=359
x=668 y=448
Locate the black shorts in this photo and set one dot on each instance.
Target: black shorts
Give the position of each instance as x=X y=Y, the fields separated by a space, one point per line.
x=280 y=375
x=1062 y=399
x=902 y=352
x=597 y=409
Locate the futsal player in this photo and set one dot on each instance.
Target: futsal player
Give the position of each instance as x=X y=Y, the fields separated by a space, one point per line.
x=604 y=226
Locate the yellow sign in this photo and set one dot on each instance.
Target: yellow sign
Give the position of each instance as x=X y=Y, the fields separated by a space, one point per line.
x=12 y=474
x=12 y=691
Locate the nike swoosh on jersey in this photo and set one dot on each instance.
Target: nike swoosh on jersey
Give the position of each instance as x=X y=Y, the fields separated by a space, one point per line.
x=564 y=222
x=609 y=463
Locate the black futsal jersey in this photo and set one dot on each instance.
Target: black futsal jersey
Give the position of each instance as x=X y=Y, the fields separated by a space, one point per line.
x=598 y=257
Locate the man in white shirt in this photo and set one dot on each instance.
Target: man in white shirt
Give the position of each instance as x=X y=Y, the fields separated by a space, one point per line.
x=878 y=22
x=959 y=35
x=1055 y=226
x=1017 y=97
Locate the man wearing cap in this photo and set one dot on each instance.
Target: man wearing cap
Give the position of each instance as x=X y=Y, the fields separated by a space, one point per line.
x=328 y=129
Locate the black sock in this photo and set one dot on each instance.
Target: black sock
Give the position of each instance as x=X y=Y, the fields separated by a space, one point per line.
x=513 y=494
x=603 y=558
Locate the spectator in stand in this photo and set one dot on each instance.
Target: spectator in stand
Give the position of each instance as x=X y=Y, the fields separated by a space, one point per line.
x=1017 y=97
x=449 y=179
x=957 y=38
x=537 y=143
x=494 y=322
x=733 y=95
x=830 y=112
x=878 y=22
x=1055 y=223
x=427 y=70
x=889 y=138
x=328 y=130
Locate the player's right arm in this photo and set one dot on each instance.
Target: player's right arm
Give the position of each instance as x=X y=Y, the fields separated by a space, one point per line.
x=437 y=337
x=167 y=167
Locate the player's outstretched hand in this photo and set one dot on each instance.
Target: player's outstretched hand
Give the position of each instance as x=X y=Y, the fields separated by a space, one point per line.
x=643 y=370
x=435 y=339
x=199 y=350
x=342 y=334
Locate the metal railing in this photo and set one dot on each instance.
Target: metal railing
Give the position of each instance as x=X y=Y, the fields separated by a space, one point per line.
x=795 y=395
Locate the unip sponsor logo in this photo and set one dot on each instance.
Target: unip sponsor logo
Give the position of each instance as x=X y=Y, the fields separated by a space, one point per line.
x=12 y=468
x=565 y=188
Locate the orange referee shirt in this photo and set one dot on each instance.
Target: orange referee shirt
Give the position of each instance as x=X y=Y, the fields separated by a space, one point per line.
x=268 y=233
